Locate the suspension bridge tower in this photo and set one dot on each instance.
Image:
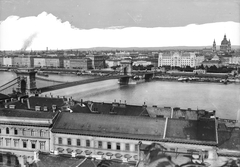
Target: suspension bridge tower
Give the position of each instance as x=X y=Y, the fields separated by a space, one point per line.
x=26 y=81
x=126 y=66
x=126 y=71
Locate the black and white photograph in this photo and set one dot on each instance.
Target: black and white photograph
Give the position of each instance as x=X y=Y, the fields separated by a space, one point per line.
x=119 y=83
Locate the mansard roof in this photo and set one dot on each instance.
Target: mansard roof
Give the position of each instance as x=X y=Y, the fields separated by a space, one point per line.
x=117 y=126
x=3 y=96
x=5 y=112
x=45 y=101
x=201 y=131
x=114 y=108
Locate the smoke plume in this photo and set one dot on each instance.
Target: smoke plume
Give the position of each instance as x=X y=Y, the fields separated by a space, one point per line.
x=27 y=43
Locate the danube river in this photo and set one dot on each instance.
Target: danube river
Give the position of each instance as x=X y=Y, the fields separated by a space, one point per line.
x=225 y=99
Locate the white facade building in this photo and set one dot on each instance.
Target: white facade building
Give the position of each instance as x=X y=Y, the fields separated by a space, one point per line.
x=7 y=61
x=177 y=59
x=39 y=62
x=234 y=60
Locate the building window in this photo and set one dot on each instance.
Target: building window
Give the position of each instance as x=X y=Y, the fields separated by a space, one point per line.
x=99 y=144
x=33 y=145
x=24 y=144
x=78 y=142
x=118 y=146
x=8 y=142
x=109 y=145
x=87 y=143
x=16 y=143
x=7 y=130
x=0 y=130
x=42 y=145
x=23 y=132
x=127 y=147
x=15 y=131
x=136 y=147
x=32 y=133
x=59 y=140
x=41 y=133
x=1 y=141
x=69 y=141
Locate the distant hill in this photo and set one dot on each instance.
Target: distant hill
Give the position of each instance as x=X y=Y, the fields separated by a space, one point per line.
x=155 y=48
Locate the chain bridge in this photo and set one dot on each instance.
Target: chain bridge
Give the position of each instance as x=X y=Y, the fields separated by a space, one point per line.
x=25 y=82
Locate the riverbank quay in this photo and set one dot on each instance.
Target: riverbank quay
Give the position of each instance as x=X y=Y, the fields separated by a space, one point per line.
x=193 y=77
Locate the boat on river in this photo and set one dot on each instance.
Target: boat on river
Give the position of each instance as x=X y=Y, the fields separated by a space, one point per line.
x=40 y=73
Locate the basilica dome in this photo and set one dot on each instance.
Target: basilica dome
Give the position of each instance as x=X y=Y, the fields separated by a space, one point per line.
x=224 y=41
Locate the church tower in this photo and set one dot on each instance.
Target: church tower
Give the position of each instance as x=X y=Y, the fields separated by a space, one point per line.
x=214 y=46
x=229 y=46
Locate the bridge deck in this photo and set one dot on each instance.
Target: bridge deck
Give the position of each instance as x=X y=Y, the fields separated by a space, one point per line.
x=75 y=83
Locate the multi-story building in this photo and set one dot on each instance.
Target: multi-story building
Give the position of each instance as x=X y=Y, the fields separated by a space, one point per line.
x=52 y=62
x=114 y=136
x=188 y=59
x=39 y=62
x=23 y=61
x=83 y=63
x=199 y=60
x=177 y=59
x=66 y=63
x=215 y=61
x=164 y=59
x=113 y=62
x=98 y=61
x=24 y=131
x=235 y=59
x=7 y=61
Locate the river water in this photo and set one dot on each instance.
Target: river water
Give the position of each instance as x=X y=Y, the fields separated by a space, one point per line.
x=225 y=99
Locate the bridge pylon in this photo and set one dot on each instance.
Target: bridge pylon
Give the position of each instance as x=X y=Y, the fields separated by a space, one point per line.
x=126 y=67
x=26 y=81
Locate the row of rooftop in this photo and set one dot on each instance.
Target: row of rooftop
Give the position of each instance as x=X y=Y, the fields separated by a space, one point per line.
x=116 y=122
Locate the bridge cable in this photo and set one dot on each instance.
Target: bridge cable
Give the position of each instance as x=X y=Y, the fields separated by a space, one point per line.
x=8 y=82
x=8 y=87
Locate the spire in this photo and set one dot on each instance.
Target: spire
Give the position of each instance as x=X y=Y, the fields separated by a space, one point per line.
x=214 y=41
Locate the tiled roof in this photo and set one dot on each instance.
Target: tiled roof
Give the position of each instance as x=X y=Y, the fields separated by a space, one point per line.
x=45 y=101
x=229 y=138
x=119 y=109
x=78 y=108
x=202 y=131
x=157 y=111
x=4 y=112
x=110 y=126
x=3 y=96
x=18 y=104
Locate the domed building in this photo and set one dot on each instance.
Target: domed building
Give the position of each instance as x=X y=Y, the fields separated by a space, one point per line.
x=225 y=45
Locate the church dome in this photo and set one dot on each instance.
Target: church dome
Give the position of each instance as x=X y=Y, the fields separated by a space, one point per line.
x=224 y=41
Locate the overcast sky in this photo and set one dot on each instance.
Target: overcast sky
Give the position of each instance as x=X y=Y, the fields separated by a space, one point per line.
x=170 y=17
x=134 y=13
